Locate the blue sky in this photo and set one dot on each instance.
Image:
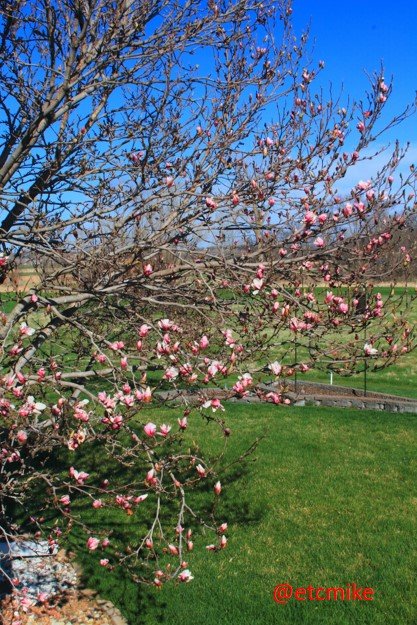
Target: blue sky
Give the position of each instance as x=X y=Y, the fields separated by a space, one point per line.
x=354 y=36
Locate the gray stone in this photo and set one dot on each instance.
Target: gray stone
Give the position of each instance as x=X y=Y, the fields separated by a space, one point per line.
x=38 y=573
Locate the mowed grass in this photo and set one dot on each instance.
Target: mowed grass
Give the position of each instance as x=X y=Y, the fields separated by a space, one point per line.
x=328 y=498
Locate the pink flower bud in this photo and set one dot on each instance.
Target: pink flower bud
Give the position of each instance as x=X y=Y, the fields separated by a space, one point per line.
x=22 y=437
x=173 y=550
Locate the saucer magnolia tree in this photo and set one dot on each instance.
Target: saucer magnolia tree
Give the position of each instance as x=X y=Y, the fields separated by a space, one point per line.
x=177 y=240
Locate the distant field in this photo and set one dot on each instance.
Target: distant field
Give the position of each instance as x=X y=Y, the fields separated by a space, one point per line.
x=22 y=278
x=399 y=379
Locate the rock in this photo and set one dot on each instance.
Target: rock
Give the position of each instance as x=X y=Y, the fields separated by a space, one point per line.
x=89 y=592
x=37 y=569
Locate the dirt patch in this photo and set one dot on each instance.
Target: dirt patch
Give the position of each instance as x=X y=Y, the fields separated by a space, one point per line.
x=78 y=609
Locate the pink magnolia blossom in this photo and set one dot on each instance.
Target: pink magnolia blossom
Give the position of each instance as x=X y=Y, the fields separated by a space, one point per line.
x=275 y=398
x=42 y=597
x=257 y=285
x=114 y=422
x=369 y=350
x=214 y=404
x=21 y=377
x=310 y=218
x=228 y=335
x=25 y=330
x=15 y=350
x=347 y=210
x=201 y=470
x=210 y=203
x=218 y=488
x=295 y=324
x=79 y=476
x=147 y=395
x=243 y=383
x=117 y=345
x=150 y=478
x=275 y=367
x=144 y=330
x=22 y=436
x=319 y=242
x=185 y=576
x=164 y=430
x=150 y=429
x=171 y=373
x=183 y=423
x=173 y=550
x=147 y=270
x=141 y=498
x=93 y=543
x=165 y=324
x=364 y=185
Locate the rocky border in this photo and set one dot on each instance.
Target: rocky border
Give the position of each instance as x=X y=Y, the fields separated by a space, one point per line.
x=303 y=393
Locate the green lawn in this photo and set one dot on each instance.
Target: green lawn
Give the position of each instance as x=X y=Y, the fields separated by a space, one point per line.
x=329 y=498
